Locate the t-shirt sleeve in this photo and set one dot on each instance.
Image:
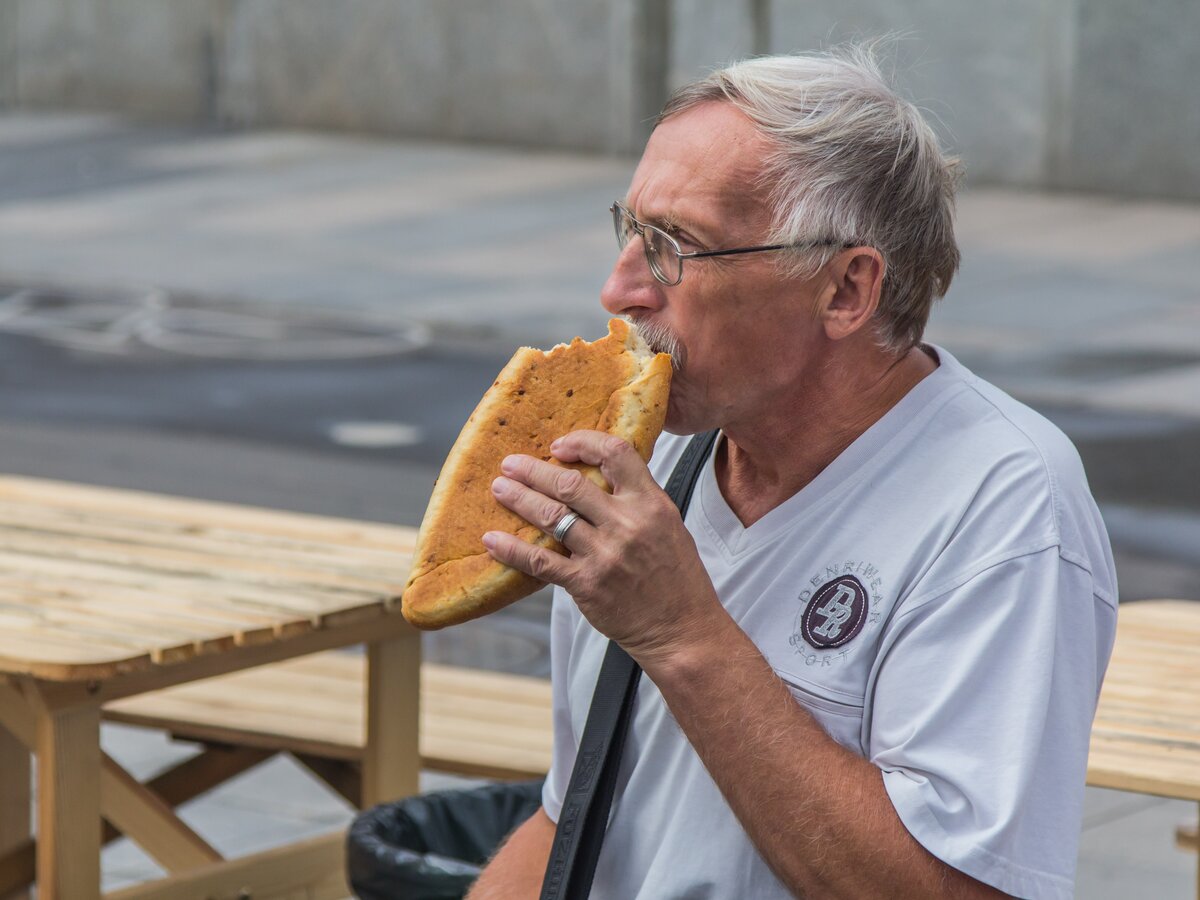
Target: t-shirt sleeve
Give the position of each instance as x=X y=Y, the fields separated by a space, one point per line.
x=563 y=616
x=982 y=704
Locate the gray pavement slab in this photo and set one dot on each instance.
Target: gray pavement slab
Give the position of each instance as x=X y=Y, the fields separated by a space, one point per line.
x=1088 y=307
x=1128 y=848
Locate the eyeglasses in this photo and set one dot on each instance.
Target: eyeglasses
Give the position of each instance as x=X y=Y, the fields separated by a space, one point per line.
x=662 y=250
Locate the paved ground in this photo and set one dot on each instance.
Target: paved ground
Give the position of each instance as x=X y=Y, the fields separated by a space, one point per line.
x=263 y=317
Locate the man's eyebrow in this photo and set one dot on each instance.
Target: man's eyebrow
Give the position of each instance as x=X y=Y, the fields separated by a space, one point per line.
x=670 y=221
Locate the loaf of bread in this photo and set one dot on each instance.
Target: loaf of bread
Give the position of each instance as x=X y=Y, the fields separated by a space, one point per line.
x=615 y=384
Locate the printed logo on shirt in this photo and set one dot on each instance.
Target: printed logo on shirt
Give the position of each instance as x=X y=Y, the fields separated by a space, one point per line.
x=835 y=614
x=834 y=611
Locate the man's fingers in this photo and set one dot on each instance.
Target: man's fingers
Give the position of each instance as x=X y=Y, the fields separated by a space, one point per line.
x=567 y=489
x=544 y=565
x=538 y=509
x=620 y=464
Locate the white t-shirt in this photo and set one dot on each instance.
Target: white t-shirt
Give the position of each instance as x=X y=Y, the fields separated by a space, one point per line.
x=941 y=598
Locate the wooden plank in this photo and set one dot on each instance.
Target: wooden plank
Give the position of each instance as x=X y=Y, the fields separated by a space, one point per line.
x=275 y=598
x=132 y=528
x=182 y=599
x=68 y=849
x=1187 y=838
x=18 y=868
x=191 y=617
x=391 y=758
x=314 y=705
x=203 y=772
x=196 y=775
x=41 y=651
x=15 y=808
x=265 y=701
x=106 y=681
x=17 y=715
x=199 y=513
x=349 y=572
x=1146 y=734
x=145 y=818
x=252 y=584
x=315 y=865
x=333 y=678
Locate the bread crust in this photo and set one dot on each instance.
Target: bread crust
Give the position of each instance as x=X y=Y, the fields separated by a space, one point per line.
x=615 y=384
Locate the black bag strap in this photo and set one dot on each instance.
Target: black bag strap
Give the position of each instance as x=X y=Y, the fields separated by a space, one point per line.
x=584 y=816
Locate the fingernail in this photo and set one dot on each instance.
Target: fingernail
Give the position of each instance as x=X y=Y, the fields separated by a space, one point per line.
x=499 y=486
x=508 y=463
x=489 y=540
x=556 y=443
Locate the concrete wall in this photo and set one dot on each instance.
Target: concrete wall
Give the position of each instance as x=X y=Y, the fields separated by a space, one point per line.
x=143 y=57
x=522 y=71
x=1094 y=95
x=564 y=73
x=1080 y=94
x=1135 y=111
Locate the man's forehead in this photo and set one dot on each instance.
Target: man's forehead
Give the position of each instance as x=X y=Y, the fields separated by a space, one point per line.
x=703 y=164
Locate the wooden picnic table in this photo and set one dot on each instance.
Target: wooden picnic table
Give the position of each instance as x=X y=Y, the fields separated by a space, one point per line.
x=1146 y=736
x=107 y=594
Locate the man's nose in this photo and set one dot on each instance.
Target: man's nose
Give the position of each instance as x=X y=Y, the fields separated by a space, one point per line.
x=631 y=286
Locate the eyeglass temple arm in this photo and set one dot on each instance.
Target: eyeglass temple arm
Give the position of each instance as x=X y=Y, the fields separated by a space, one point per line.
x=700 y=253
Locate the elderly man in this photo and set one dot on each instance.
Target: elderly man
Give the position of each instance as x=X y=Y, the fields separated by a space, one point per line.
x=873 y=651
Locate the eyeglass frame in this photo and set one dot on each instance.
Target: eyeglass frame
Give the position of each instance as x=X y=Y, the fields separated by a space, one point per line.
x=640 y=228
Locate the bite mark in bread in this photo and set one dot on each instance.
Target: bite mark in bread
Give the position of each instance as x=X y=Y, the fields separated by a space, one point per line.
x=615 y=384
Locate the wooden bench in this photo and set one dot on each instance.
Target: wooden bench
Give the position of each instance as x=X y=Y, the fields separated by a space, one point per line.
x=476 y=723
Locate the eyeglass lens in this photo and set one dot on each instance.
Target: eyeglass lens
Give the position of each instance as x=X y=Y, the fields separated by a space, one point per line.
x=660 y=252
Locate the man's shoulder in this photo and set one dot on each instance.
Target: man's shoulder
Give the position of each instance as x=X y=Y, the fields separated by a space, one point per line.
x=988 y=428
x=1020 y=467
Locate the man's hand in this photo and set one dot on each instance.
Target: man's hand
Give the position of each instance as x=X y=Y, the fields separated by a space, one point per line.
x=633 y=570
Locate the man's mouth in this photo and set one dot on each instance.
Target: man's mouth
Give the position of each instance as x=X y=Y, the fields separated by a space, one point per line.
x=660 y=339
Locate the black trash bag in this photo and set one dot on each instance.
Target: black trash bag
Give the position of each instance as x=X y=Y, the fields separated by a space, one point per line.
x=433 y=846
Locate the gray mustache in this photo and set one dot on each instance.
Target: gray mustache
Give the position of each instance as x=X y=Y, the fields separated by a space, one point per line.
x=660 y=339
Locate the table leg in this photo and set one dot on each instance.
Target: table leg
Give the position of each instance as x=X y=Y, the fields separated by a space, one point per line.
x=392 y=760
x=14 y=797
x=68 y=847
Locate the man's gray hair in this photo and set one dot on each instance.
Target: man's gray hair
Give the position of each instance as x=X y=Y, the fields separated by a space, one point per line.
x=854 y=163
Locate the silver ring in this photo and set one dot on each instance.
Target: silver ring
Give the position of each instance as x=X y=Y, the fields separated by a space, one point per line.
x=564 y=525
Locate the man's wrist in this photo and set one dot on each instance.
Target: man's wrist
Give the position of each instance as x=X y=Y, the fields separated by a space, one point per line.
x=697 y=649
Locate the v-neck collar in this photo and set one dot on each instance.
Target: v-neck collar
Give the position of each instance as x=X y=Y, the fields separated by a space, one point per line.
x=851 y=465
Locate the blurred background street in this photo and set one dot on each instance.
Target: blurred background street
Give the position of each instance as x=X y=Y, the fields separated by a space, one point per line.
x=304 y=321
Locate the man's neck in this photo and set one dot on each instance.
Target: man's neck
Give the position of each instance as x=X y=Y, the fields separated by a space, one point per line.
x=763 y=462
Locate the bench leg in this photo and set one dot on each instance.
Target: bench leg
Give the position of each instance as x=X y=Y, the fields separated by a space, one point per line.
x=1187 y=839
x=391 y=757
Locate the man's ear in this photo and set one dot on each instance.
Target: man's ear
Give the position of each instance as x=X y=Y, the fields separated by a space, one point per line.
x=856 y=281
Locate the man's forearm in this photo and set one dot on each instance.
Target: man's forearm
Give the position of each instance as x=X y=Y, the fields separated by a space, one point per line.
x=818 y=813
x=516 y=871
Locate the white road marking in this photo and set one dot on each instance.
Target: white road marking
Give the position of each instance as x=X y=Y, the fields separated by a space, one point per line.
x=376 y=434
